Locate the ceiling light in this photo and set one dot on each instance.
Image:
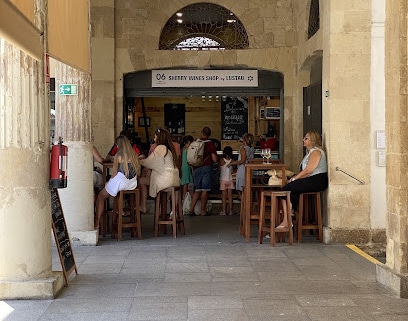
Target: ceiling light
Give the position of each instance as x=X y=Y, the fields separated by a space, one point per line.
x=180 y=20
x=179 y=14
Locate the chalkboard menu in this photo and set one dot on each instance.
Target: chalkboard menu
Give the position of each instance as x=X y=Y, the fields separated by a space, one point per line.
x=234 y=117
x=62 y=241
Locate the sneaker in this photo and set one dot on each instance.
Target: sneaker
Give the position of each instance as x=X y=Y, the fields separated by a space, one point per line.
x=222 y=213
x=232 y=212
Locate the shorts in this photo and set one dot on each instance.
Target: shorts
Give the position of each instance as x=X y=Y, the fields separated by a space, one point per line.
x=120 y=183
x=224 y=185
x=203 y=178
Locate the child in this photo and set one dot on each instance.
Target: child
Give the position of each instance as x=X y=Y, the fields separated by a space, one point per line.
x=186 y=171
x=226 y=183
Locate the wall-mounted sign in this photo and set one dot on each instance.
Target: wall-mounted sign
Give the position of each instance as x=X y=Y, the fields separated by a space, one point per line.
x=234 y=118
x=68 y=89
x=204 y=78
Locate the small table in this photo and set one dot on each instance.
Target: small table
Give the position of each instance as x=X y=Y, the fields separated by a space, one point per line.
x=247 y=213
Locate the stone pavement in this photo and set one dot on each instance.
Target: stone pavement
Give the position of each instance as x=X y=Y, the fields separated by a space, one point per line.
x=212 y=274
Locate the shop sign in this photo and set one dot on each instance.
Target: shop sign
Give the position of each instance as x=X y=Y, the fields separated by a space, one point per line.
x=204 y=78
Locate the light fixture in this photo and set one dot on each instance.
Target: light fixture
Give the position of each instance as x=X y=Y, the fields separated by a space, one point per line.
x=179 y=14
x=180 y=20
x=203 y=98
x=217 y=98
x=209 y=98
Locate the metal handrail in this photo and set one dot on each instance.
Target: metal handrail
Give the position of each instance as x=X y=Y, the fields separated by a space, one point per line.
x=359 y=180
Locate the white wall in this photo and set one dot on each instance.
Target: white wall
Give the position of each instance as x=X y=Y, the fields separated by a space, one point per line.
x=377 y=112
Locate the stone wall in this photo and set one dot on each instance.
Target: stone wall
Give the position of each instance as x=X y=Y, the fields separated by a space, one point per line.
x=277 y=41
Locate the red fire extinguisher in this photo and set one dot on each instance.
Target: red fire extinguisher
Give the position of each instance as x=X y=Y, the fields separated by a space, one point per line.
x=58 y=169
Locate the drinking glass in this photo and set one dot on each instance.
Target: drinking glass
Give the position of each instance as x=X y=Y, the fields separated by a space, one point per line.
x=263 y=155
x=267 y=154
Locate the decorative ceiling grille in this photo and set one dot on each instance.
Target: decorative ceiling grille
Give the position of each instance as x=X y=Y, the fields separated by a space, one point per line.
x=314 y=18
x=203 y=26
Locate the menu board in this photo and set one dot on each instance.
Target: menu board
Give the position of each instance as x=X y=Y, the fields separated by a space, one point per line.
x=234 y=117
x=59 y=227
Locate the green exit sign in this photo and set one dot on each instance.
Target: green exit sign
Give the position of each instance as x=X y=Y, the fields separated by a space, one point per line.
x=68 y=89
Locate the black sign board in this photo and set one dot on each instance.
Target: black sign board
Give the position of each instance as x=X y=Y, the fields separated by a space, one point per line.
x=59 y=227
x=234 y=117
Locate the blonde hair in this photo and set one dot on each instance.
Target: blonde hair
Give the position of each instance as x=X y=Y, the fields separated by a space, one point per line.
x=248 y=139
x=315 y=138
x=126 y=155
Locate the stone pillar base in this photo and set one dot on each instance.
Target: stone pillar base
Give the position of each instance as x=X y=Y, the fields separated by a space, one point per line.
x=32 y=289
x=84 y=238
x=397 y=283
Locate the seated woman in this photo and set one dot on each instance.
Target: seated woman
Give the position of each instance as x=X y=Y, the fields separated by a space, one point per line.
x=126 y=168
x=163 y=163
x=313 y=175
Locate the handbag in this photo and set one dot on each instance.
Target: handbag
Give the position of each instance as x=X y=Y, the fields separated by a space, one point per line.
x=274 y=179
x=187 y=203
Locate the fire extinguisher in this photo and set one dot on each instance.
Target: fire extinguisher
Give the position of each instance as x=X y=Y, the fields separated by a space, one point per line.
x=58 y=168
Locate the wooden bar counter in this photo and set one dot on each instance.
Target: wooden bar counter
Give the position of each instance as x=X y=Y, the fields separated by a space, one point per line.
x=255 y=181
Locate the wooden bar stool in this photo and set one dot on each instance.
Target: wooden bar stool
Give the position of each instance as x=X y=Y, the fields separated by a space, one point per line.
x=106 y=218
x=133 y=221
x=274 y=218
x=306 y=220
x=176 y=219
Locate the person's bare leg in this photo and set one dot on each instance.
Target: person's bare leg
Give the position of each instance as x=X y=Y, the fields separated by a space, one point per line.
x=284 y=222
x=194 y=201
x=230 y=202
x=204 y=198
x=100 y=206
x=185 y=190
x=224 y=202
x=143 y=193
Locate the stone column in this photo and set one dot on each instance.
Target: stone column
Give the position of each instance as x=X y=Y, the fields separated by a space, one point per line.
x=72 y=123
x=25 y=211
x=394 y=274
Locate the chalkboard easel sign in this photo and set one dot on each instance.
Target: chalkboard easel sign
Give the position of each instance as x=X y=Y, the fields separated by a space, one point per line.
x=59 y=228
x=234 y=117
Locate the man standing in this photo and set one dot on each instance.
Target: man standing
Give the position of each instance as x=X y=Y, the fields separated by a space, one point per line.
x=203 y=175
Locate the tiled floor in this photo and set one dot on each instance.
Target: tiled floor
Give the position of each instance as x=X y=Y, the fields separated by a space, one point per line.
x=213 y=274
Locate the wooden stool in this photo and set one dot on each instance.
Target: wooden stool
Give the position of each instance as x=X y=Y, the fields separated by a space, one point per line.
x=106 y=219
x=304 y=219
x=134 y=222
x=160 y=216
x=274 y=217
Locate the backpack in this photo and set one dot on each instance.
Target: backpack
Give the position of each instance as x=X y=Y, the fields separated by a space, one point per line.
x=195 y=152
